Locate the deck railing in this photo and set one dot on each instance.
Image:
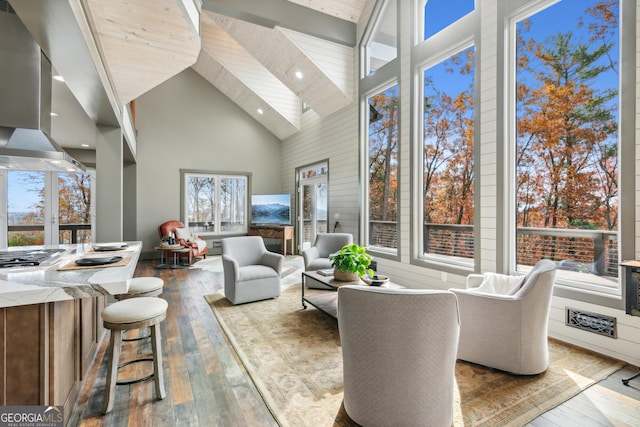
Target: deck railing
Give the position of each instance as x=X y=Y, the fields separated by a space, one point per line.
x=69 y=233
x=586 y=251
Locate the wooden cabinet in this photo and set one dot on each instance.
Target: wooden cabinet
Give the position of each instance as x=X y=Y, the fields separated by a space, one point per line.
x=47 y=350
x=280 y=232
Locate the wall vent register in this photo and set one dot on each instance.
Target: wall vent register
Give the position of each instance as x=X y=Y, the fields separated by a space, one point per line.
x=592 y=322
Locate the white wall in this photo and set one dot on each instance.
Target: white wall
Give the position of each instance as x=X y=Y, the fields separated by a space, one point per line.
x=334 y=138
x=186 y=123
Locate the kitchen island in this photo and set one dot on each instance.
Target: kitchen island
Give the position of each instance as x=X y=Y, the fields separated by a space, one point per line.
x=50 y=325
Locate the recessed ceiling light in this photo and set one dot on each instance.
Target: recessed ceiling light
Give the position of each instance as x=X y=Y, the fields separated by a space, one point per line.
x=84 y=145
x=260 y=111
x=58 y=77
x=53 y=114
x=299 y=74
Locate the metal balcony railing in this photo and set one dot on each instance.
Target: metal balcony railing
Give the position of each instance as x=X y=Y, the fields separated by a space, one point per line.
x=69 y=233
x=585 y=251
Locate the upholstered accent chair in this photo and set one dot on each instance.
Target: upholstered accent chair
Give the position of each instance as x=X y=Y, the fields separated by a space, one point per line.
x=177 y=230
x=251 y=272
x=317 y=256
x=504 y=319
x=399 y=354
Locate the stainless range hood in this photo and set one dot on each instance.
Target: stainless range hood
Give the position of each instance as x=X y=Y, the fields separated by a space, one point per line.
x=25 y=104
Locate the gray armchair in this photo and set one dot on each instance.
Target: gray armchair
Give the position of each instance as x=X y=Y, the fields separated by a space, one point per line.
x=507 y=330
x=251 y=273
x=317 y=256
x=399 y=355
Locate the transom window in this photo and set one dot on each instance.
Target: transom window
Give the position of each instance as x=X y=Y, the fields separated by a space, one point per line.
x=382 y=45
x=439 y=14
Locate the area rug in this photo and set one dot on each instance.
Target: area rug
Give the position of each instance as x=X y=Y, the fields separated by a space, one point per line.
x=294 y=358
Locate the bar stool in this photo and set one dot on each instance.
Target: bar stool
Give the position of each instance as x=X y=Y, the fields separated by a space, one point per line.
x=142 y=287
x=126 y=315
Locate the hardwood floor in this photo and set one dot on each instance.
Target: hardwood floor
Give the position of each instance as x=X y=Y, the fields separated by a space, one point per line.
x=208 y=386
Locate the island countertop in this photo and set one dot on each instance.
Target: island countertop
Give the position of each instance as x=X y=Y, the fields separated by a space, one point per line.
x=36 y=285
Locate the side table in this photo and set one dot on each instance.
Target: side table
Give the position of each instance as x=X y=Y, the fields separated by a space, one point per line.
x=175 y=250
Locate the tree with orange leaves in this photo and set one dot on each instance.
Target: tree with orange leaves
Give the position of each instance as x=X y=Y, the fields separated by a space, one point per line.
x=567 y=128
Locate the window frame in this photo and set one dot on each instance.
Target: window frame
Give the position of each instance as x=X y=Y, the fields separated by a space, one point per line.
x=463 y=33
x=564 y=287
x=431 y=260
x=379 y=10
x=379 y=250
x=185 y=174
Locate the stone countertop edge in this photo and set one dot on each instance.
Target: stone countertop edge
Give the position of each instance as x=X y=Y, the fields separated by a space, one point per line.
x=37 y=285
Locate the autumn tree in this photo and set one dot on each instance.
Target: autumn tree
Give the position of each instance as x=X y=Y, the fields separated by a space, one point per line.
x=566 y=129
x=448 y=154
x=383 y=155
x=74 y=207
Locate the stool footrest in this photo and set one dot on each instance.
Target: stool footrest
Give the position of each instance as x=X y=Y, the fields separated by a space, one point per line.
x=139 y=380
x=136 y=339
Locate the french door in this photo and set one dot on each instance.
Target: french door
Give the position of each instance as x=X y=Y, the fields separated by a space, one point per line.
x=45 y=208
x=313 y=191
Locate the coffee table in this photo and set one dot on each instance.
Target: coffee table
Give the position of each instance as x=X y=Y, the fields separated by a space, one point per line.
x=328 y=301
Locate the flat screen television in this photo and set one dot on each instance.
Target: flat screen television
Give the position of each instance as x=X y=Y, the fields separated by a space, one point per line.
x=270 y=209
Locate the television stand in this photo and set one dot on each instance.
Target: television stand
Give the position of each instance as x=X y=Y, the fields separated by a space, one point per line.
x=280 y=232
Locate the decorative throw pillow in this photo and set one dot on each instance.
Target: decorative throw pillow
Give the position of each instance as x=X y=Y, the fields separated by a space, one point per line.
x=183 y=233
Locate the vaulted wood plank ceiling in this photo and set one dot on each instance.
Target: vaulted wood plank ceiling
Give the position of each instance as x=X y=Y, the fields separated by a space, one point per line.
x=142 y=43
x=268 y=68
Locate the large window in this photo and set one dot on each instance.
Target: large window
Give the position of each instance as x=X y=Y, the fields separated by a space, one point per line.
x=567 y=72
x=448 y=159
x=214 y=204
x=382 y=149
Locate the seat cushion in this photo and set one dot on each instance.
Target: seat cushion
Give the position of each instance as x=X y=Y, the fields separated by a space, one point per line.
x=319 y=264
x=142 y=285
x=134 y=310
x=254 y=272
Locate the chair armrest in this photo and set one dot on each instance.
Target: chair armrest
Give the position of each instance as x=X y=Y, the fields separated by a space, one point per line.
x=184 y=243
x=230 y=265
x=274 y=261
x=309 y=255
x=472 y=294
x=489 y=310
x=474 y=280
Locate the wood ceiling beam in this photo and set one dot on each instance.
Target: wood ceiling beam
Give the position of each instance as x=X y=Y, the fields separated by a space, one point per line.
x=282 y=13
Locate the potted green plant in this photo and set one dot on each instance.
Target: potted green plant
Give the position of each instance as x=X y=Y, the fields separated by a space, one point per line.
x=350 y=263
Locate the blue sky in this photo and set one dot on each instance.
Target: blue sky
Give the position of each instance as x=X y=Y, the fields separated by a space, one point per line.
x=560 y=17
x=23 y=193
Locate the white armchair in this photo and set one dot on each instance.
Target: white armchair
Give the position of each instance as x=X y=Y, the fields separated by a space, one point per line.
x=504 y=320
x=251 y=273
x=399 y=355
x=317 y=256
